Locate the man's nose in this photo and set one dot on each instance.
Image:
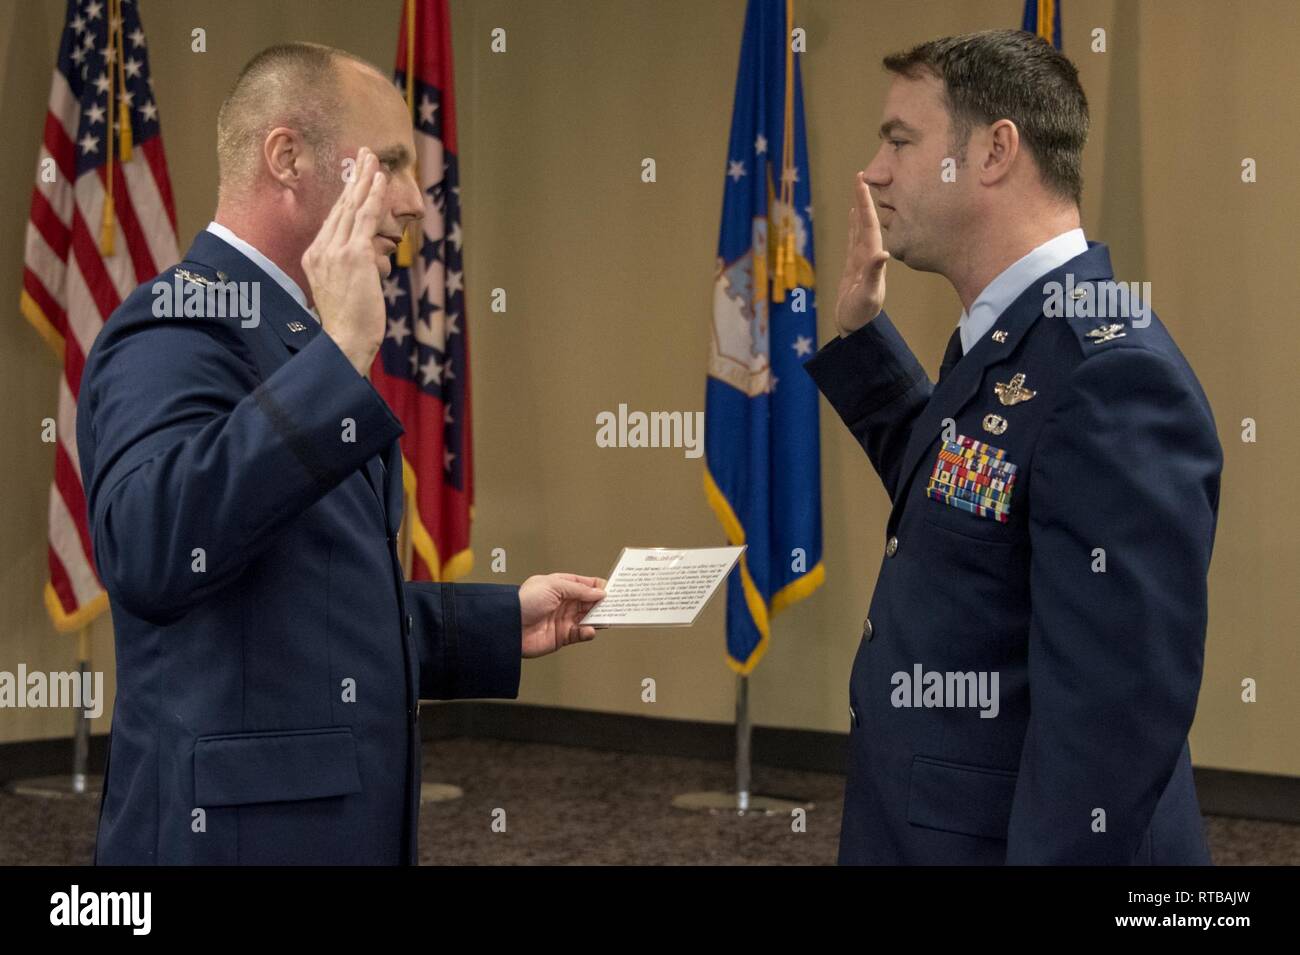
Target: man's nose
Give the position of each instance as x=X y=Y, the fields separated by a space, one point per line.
x=878 y=171
x=409 y=206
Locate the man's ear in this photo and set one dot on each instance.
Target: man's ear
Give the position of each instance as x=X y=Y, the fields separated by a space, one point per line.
x=1002 y=146
x=285 y=155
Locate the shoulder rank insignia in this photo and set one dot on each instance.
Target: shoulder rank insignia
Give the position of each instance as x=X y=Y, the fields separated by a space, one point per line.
x=194 y=277
x=1106 y=333
x=1014 y=391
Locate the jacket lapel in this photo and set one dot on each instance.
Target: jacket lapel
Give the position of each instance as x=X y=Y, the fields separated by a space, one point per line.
x=962 y=383
x=292 y=326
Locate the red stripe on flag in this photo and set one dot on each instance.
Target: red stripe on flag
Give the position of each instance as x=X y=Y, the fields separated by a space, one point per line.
x=157 y=157
x=52 y=310
x=74 y=363
x=63 y=149
x=85 y=250
x=61 y=583
x=49 y=225
x=68 y=483
x=136 y=243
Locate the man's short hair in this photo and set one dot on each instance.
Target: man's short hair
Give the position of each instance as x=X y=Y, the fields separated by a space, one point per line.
x=290 y=84
x=1015 y=75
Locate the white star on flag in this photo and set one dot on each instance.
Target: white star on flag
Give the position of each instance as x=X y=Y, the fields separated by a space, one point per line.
x=802 y=345
x=432 y=371
x=735 y=169
x=393 y=290
x=427 y=109
x=397 y=330
x=760 y=144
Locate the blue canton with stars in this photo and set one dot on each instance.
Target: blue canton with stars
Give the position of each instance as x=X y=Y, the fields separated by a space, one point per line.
x=85 y=59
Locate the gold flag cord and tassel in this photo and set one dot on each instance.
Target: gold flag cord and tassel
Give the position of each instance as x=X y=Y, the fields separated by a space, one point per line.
x=123 y=140
x=406 y=248
x=785 y=275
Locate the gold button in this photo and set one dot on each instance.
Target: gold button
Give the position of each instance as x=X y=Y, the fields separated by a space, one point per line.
x=891 y=548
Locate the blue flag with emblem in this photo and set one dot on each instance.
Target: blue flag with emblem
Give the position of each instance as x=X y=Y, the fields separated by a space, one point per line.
x=1044 y=18
x=762 y=453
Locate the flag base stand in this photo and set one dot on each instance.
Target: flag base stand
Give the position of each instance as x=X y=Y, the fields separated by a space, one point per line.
x=80 y=782
x=741 y=802
x=439 y=792
x=57 y=787
x=738 y=804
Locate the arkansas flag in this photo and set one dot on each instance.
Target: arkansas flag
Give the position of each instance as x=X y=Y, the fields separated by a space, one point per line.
x=422 y=369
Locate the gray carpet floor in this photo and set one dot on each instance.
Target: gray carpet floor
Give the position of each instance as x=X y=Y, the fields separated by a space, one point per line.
x=566 y=805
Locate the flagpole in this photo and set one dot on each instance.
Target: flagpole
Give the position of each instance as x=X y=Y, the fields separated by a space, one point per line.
x=744 y=733
x=742 y=802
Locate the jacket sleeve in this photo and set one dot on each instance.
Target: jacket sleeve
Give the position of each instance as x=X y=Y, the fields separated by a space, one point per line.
x=876 y=385
x=192 y=453
x=1126 y=470
x=469 y=638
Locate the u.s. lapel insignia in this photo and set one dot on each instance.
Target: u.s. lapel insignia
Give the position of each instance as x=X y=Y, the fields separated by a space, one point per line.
x=296 y=327
x=1000 y=336
x=1106 y=333
x=1014 y=391
x=995 y=424
x=194 y=277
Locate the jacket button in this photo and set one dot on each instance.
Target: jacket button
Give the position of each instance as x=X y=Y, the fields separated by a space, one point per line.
x=867 y=629
x=891 y=548
x=853 y=715
x=410 y=624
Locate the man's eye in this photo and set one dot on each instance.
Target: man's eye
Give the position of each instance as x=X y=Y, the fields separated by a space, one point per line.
x=897 y=142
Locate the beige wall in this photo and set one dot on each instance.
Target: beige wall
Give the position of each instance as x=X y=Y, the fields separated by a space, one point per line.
x=609 y=284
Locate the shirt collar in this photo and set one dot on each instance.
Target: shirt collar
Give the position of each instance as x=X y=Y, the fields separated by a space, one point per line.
x=266 y=265
x=1014 y=279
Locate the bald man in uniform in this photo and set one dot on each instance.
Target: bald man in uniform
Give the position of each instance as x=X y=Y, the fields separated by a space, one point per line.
x=244 y=491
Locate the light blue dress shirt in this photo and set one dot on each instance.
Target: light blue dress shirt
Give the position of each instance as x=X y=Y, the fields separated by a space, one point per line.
x=1013 y=280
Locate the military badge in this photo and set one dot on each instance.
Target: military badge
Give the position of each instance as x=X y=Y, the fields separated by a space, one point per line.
x=974 y=477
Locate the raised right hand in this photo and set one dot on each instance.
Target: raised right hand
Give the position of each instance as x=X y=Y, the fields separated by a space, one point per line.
x=862 y=286
x=340 y=265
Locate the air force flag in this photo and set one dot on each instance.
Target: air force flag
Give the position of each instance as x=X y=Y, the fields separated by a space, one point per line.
x=762 y=453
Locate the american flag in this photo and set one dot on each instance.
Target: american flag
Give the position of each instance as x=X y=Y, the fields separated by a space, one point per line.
x=422 y=369
x=81 y=263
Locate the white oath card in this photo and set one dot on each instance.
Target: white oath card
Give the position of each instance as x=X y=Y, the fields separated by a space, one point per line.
x=661 y=586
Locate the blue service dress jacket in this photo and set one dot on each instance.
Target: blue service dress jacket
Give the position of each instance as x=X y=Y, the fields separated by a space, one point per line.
x=270 y=657
x=1054 y=508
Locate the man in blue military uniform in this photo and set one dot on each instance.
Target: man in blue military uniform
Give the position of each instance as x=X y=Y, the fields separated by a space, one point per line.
x=244 y=492
x=1030 y=663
